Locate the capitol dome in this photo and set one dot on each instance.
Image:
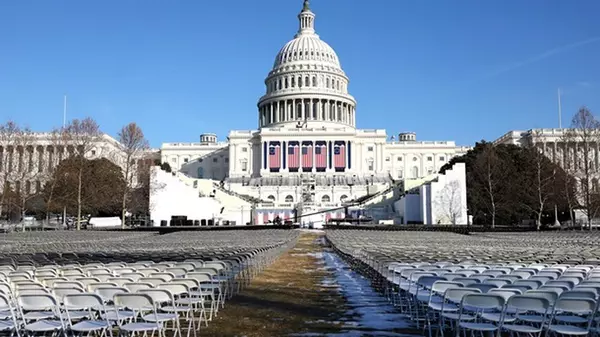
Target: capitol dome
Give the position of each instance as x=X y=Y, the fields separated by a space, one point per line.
x=307 y=83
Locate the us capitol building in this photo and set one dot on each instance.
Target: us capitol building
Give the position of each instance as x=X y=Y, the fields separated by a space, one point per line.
x=307 y=133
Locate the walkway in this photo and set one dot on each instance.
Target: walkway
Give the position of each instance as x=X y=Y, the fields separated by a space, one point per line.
x=309 y=291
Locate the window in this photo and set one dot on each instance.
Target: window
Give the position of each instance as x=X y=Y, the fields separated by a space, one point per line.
x=271 y=197
x=93 y=152
x=200 y=160
x=185 y=160
x=400 y=174
x=343 y=198
x=415 y=172
x=429 y=158
x=227 y=160
x=442 y=158
x=387 y=158
x=370 y=148
x=215 y=160
x=371 y=165
x=244 y=149
x=414 y=158
x=289 y=198
x=244 y=165
x=399 y=159
x=325 y=198
x=429 y=170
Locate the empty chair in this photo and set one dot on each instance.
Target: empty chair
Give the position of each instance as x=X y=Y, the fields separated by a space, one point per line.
x=488 y=306
x=79 y=306
x=572 y=316
x=529 y=309
x=484 y=287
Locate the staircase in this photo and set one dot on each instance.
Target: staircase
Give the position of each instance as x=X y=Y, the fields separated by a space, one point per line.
x=209 y=187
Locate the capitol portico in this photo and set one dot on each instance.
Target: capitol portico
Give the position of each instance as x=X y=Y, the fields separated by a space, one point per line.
x=307 y=130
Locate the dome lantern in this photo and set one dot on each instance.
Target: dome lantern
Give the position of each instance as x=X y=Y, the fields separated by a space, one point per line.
x=307 y=20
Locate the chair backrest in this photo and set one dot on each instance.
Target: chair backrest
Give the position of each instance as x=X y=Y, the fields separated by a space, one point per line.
x=527 y=303
x=577 y=306
x=107 y=293
x=60 y=293
x=175 y=288
x=136 y=302
x=83 y=301
x=551 y=296
x=158 y=295
x=579 y=294
x=560 y=283
x=68 y=284
x=200 y=276
x=532 y=284
x=455 y=295
x=497 y=282
x=440 y=287
x=37 y=302
x=482 y=302
x=506 y=293
x=484 y=287
x=120 y=281
x=135 y=287
x=134 y=276
x=466 y=281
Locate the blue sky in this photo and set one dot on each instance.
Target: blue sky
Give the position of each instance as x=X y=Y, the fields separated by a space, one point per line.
x=448 y=70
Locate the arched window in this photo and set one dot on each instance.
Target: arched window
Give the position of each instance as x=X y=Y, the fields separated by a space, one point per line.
x=286 y=83
x=327 y=83
x=271 y=198
x=293 y=82
x=415 y=172
x=280 y=84
x=314 y=81
x=299 y=110
x=300 y=82
x=200 y=172
x=343 y=198
x=306 y=82
x=325 y=198
x=289 y=198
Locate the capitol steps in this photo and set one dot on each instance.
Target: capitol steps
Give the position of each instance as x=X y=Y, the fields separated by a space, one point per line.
x=207 y=187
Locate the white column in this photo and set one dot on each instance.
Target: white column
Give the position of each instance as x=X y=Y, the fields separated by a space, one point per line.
x=262 y=156
x=294 y=115
x=302 y=108
x=233 y=159
x=314 y=146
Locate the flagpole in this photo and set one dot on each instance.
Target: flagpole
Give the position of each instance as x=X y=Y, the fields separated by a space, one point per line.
x=65 y=112
x=559 y=111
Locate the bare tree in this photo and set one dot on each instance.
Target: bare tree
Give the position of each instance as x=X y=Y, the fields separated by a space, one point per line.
x=565 y=185
x=26 y=174
x=83 y=136
x=134 y=144
x=449 y=202
x=540 y=184
x=584 y=134
x=58 y=140
x=486 y=171
x=9 y=136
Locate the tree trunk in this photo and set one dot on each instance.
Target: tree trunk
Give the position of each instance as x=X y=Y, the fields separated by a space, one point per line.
x=79 y=182
x=127 y=185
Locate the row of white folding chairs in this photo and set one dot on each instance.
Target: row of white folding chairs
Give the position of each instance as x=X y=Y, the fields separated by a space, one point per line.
x=90 y=313
x=430 y=287
x=469 y=310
